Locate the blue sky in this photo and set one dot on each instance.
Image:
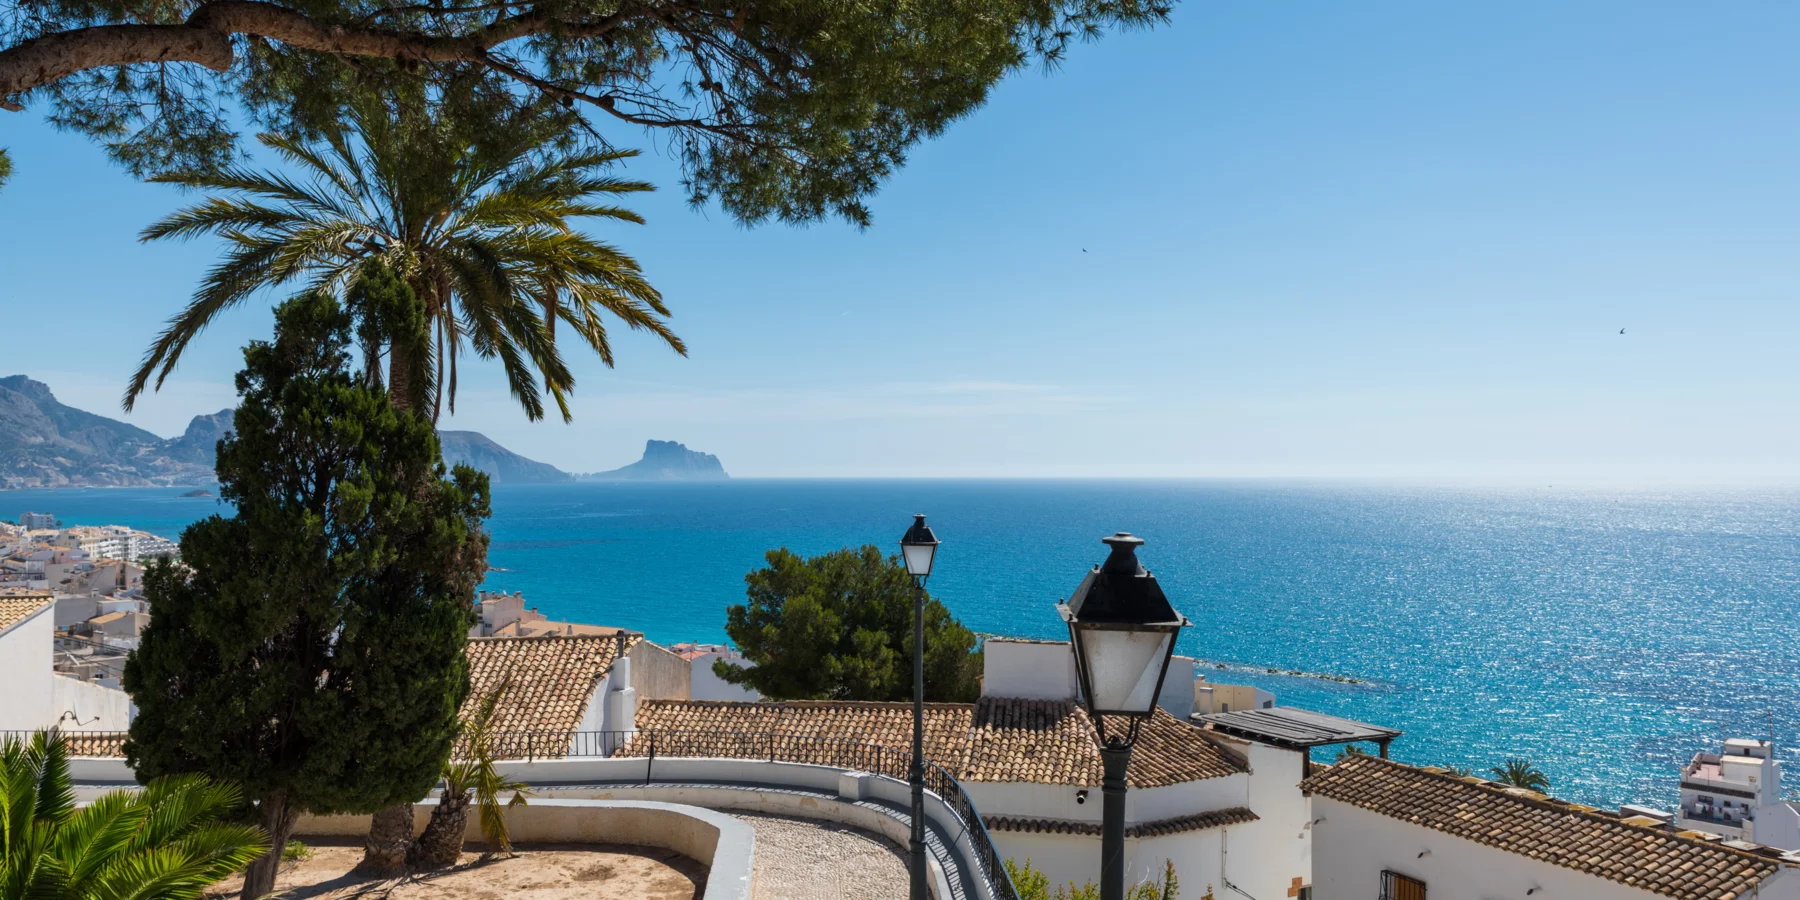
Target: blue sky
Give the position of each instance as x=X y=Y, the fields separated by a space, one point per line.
x=1310 y=239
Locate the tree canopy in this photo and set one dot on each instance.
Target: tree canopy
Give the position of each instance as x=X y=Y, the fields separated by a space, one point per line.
x=472 y=204
x=839 y=626
x=792 y=109
x=310 y=646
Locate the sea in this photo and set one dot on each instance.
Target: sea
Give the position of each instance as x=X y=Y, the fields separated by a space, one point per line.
x=1605 y=635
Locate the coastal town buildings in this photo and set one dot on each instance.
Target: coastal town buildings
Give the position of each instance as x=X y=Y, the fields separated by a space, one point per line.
x=505 y=615
x=33 y=521
x=1736 y=794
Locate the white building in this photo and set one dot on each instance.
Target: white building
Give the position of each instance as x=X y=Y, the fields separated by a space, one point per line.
x=1737 y=794
x=704 y=683
x=32 y=521
x=1227 y=812
x=1385 y=830
x=35 y=695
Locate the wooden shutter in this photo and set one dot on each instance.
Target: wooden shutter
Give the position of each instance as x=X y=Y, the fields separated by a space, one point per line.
x=1395 y=886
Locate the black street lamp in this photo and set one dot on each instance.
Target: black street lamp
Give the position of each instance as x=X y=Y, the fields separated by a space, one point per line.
x=1123 y=632
x=918 y=547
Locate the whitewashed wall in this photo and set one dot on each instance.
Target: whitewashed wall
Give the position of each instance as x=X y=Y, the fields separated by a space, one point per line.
x=704 y=685
x=1352 y=846
x=1265 y=856
x=25 y=672
x=83 y=706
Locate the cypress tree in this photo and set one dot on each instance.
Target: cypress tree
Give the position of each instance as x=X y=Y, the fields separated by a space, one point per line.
x=309 y=647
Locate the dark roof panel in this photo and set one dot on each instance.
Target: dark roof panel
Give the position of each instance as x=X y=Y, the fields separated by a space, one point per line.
x=1295 y=729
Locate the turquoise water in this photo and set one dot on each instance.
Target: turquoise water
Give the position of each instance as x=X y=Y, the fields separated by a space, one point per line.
x=1605 y=635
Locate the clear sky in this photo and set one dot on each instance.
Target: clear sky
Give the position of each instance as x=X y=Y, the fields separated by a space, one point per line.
x=1318 y=238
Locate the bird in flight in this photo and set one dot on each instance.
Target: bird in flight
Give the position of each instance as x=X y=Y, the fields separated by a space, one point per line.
x=1621 y=331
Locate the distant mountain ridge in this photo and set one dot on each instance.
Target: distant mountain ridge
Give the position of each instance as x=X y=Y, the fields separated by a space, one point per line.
x=44 y=444
x=665 y=461
x=478 y=451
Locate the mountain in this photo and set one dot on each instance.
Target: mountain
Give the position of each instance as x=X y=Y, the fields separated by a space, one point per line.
x=502 y=465
x=46 y=444
x=666 y=461
x=200 y=442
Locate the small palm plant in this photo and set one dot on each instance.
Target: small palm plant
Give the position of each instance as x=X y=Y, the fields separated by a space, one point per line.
x=165 y=841
x=1522 y=773
x=474 y=773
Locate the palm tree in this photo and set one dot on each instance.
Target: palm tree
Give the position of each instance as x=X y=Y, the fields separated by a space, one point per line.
x=164 y=841
x=474 y=214
x=441 y=843
x=1522 y=773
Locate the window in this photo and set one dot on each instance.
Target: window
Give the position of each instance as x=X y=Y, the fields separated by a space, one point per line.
x=1395 y=886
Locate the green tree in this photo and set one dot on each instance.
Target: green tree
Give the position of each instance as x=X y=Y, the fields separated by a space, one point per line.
x=476 y=217
x=473 y=777
x=1522 y=773
x=310 y=646
x=774 y=107
x=166 y=841
x=839 y=627
x=5 y=166
x=1032 y=884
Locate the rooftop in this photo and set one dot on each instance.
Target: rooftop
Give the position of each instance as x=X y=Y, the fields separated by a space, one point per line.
x=17 y=607
x=1543 y=829
x=552 y=677
x=994 y=740
x=1295 y=729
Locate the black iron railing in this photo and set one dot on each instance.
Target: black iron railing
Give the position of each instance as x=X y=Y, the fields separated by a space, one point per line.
x=82 y=743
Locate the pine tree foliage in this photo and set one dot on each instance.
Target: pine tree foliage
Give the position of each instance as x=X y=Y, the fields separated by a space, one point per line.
x=790 y=109
x=309 y=647
x=839 y=626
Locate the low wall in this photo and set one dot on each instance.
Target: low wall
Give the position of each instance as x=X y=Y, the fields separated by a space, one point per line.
x=742 y=784
x=724 y=844
x=694 y=780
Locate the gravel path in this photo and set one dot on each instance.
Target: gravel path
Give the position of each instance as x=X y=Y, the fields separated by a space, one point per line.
x=810 y=859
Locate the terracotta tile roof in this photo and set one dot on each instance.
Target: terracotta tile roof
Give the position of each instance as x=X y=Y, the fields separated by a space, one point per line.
x=995 y=739
x=16 y=608
x=1199 y=822
x=1546 y=830
x=552 y=678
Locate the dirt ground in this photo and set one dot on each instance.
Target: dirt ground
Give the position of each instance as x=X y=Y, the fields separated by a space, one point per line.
x=539 y=872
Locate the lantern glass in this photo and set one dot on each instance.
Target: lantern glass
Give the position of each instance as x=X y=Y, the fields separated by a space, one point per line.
x=1123 y=667
x=918 y=558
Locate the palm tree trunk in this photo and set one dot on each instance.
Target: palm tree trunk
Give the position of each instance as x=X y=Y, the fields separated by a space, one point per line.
x=390 y=836
x=278 y=821
x=401 y=385
x=441 y=843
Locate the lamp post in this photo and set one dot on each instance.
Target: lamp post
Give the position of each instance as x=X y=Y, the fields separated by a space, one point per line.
x=1122 y=631
x=918 y=547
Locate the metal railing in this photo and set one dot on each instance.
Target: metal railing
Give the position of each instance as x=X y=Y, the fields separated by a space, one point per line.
x=877 y=759
x=82 y=743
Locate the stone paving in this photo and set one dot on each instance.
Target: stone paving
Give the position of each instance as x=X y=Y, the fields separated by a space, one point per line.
x=809 y=859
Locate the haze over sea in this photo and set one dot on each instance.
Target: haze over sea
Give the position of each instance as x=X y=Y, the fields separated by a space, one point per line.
x=1605 y=634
